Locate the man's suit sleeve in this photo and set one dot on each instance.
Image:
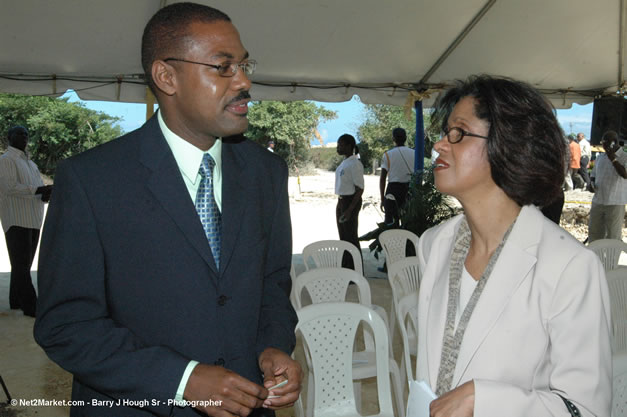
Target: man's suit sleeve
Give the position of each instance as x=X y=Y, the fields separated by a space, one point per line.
x=278 y=319
x=73 y=324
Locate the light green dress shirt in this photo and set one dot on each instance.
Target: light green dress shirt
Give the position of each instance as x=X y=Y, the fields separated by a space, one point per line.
x=188 y=158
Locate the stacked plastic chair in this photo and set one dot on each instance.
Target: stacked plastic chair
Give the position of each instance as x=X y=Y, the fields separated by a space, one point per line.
x=329 y=331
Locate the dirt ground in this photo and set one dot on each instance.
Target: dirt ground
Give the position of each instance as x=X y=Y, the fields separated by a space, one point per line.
x=30 y=375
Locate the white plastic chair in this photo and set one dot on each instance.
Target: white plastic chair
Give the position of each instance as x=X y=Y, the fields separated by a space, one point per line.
x=329 y=253
x=329 y=331
x=407 y=314
x=617 y=283
x=325 y=285
x=404 y=277
x=609 y=251
x=394 y=243
x=619 y=385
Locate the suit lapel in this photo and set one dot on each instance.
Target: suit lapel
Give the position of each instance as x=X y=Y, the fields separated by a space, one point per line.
x=515 y=261
x=234 y=171
x=167 y=185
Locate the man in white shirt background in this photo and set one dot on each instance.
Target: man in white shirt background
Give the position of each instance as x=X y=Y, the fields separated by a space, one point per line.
x=609 y=176
x=397 y=165
x=22 y=197
x=586 y=153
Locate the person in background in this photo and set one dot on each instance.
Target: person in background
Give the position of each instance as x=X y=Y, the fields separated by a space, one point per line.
x=501 y=284
x=609 y=177
x=397 y=165
x=22 y=198
x=575 y=162
x=271 y=145
x=349 y=186
x=586 y=154
x=164 y=272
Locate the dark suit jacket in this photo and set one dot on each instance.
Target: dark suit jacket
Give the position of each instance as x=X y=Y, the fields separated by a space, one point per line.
x=129 y=291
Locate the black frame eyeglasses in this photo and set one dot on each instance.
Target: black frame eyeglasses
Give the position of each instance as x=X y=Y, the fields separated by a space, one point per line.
x=456 y=134
x=224 y=70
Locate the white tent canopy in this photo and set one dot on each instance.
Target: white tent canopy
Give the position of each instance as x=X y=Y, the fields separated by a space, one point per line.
x=329 y=50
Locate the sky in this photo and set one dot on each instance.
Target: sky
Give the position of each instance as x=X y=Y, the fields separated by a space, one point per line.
x=350 y=115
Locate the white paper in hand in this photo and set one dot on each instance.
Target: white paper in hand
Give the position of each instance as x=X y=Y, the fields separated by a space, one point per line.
x=420 y=396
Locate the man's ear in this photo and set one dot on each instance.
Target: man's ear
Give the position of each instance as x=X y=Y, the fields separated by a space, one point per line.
x=164 y=77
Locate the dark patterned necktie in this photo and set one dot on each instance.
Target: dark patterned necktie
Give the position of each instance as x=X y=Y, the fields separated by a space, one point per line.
x=208 y=209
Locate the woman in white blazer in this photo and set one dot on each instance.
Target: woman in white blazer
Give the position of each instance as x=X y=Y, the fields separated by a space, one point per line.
x=513 y=311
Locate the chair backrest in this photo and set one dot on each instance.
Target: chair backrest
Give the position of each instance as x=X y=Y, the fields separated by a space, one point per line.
x=329 y=331
x=609 y=251
x=619 y=385
x=407 y=315
x=329 y=253
x=404 y=276
x=329 y=285
x=617 y=283
x=394 y=243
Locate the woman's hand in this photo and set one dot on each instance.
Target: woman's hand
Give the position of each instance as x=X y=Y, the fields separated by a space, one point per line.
x=459 y=402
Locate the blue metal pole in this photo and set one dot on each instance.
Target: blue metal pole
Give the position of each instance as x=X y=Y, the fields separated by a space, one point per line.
x=419 y=160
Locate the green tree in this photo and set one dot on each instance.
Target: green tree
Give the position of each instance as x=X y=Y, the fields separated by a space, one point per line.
x=58 y=129
x=291 y=125
x=376 y=130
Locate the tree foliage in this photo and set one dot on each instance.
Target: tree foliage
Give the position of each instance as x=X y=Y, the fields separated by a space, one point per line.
x=58 y=129
x=376 y=130
x=291 y=125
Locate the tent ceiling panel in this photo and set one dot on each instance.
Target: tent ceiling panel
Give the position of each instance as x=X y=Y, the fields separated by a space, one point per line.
x=325 y=50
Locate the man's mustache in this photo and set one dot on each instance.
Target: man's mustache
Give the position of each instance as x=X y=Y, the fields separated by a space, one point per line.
x=244 y=95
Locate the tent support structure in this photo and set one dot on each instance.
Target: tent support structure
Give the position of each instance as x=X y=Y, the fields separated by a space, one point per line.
x=621 y=46
x=419 y=146
x=150 y=103
x=486 y=7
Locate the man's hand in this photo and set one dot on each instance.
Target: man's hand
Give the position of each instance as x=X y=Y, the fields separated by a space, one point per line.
x=459 y=402
x=277 y=366
x=45 y=192
x=238 y=395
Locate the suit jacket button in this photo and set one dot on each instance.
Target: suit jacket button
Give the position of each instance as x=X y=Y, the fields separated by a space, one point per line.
x=219 y=362
x=222 y=300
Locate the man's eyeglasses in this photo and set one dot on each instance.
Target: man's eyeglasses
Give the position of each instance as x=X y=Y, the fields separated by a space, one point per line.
x=224 y=70
x=456 y=134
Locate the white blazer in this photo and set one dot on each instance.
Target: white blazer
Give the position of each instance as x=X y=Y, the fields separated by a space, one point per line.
x=540 y=328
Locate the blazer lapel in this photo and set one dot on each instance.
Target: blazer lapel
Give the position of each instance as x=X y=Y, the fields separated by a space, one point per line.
x=437 y=271
x=516 y=260
x=234 y=171
x=168 y=187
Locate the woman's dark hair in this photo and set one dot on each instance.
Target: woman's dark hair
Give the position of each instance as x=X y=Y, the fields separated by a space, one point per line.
x=350 y=139
x=526 y=147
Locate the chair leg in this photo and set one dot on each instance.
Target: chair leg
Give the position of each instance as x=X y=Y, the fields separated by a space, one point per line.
x=397 y=388
x=309 y=405
x=6 y=390
x=357 y=390
x=403 y=370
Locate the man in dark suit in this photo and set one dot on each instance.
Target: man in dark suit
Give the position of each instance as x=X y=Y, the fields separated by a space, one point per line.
x=164 y=267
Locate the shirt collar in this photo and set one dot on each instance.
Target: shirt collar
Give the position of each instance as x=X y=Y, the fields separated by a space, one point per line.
x=187 y=156
x=17 y=152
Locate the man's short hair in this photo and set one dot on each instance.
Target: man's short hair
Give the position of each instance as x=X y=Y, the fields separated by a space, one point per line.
x=399 y=135
x=610 y=136
x=166 y=33
x=15 y=130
